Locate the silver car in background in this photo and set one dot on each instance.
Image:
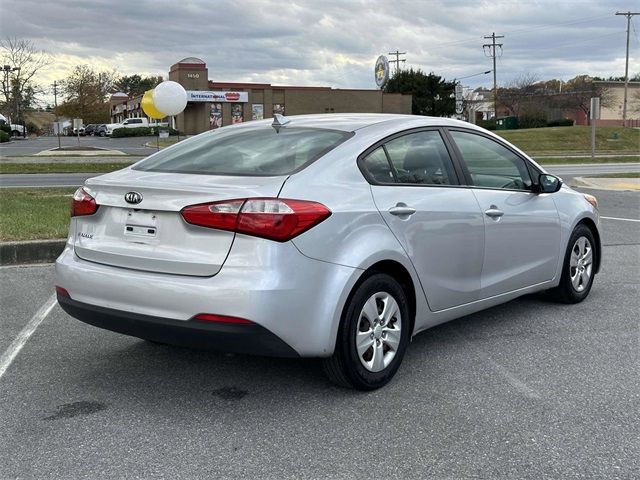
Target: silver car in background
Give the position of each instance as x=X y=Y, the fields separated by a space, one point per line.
x=333 y=236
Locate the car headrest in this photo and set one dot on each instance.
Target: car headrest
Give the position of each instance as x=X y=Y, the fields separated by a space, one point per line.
x=422 y=157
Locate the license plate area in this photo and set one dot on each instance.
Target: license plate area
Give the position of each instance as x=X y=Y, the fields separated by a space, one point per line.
x=141 y=224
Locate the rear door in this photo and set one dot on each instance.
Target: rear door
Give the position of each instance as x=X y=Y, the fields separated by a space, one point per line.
x=416 y=189
x=522 y=228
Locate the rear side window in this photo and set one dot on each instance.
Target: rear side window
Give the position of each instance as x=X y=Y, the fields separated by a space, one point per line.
x=258 y=151
x=419 y=158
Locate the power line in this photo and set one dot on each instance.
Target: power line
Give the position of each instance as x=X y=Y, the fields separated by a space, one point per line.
x=627 y=14
x=397 y=61
x=492 y=53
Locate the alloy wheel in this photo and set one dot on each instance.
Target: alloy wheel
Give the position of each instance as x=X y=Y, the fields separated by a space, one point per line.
x=379 y=331
x=581 y=264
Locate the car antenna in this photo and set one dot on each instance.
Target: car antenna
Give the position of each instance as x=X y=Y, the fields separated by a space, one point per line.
x=279 y=121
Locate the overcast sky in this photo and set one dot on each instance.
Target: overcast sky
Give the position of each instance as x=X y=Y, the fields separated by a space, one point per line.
x=328 y=43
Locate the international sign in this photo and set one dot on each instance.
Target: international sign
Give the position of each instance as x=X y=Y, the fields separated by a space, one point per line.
x=213 y=96
x=381 y=71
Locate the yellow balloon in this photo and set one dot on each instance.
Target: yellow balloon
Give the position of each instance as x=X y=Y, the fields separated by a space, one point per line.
x=148 y=106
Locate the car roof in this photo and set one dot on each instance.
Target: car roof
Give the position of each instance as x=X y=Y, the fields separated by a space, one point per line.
x=350 y=122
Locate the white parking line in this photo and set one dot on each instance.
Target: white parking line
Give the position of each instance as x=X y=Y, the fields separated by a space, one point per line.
x=621 y=219
x=10 y=354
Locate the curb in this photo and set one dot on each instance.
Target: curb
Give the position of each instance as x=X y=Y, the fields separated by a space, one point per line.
x=32 y=251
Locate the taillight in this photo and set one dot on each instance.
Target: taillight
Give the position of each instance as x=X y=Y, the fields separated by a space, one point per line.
x=271 y=218
x=83 y=203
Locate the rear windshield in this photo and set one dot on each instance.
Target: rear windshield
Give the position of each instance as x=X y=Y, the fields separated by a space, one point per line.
x=260 y=151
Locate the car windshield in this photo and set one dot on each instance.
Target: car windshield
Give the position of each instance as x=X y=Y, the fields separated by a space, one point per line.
x=258 y=151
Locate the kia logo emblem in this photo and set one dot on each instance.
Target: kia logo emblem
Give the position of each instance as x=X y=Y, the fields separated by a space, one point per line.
x=133 y=197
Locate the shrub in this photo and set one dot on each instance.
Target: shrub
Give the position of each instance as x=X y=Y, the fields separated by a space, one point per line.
x=4 y=136
x=33 y=128
x=138 y=132
x=488 y=124
x=564 y=122
x=531 y=121
x=5 y=128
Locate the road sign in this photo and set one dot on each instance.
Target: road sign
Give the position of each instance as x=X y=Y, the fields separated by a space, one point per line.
x=459 y=107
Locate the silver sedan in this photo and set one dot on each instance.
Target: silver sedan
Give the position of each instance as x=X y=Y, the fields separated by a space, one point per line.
x=333 y=236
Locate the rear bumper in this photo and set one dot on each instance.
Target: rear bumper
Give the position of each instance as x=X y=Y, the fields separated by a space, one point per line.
x=248 y=339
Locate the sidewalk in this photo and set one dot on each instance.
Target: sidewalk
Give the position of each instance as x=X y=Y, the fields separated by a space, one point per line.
x=617 y=184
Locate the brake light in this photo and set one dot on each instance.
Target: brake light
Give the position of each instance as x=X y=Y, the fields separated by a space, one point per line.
x=272 y=218
x=62 y=292
x=83 y=203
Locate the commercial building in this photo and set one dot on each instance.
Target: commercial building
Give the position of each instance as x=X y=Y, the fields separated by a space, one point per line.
x=215 y=104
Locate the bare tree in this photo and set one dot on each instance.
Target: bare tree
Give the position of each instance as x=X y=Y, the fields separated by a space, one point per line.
x=581 y=89
x=518 y=92
x=85 y=94
x=21 y=61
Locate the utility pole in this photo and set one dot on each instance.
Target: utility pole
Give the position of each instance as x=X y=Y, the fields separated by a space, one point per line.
x=627 y=14
x=492 y=53
x=397 y=61
x=55 y=106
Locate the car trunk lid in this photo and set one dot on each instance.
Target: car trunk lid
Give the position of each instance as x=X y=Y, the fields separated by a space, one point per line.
x=152 y=235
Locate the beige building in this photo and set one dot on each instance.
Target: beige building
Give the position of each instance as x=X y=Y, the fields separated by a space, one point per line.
x=612 y=111
x=215 y=104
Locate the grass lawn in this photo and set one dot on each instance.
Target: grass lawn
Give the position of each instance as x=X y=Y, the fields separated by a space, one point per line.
x=573 y=139
x=34 y=213
x=60 y=167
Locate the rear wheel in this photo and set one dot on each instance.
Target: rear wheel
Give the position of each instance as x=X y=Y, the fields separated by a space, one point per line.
x=373 y=335
x=578 y=269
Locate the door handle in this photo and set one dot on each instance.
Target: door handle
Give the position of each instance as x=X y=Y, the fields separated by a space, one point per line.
x=402 y=210
x=493 y=212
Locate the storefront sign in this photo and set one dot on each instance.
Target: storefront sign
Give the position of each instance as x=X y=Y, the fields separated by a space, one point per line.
x=211 y=96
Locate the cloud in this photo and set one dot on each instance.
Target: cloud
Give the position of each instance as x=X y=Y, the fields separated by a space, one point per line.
x=332 y=43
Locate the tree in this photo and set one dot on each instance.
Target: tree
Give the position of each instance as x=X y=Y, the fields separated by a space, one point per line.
x=432 y=94
x=581 y=89
x=86 y=92
x=134 y=85
x=19 y=88
x=519 y=93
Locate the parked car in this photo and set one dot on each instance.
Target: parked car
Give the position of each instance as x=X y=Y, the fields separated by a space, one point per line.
x=100 y=130
x=89 y=129
x=333 y=236
x=76 y=131
x=17 y=130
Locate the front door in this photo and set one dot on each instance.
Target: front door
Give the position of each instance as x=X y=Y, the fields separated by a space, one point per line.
x=522 y=228
x=437 y=222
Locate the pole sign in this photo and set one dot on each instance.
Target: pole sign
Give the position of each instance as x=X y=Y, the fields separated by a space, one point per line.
x=594 y=113
x=459 y=100
x=381 y=71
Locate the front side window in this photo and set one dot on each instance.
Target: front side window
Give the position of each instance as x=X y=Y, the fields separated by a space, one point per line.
x=421 y=158
x=490 y=164
x=258 y=151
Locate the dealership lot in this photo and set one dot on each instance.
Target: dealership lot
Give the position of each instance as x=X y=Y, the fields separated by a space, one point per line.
x=528 y=389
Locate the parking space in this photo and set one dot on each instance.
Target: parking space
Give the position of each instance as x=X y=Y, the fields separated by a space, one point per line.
x=30 y=146
x=529 y=389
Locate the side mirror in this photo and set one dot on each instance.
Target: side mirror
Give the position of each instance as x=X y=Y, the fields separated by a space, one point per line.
x=548 y=183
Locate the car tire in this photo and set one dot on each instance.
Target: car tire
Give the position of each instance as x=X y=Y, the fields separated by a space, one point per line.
x=578 y=269
x=383 y=341
x=15 y=133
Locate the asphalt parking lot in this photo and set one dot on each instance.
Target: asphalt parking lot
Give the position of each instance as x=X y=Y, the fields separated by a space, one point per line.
x=529 y=389
x=30 y=146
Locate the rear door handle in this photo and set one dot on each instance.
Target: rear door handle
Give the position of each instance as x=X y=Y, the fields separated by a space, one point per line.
x=401 y=210
x=493 y=212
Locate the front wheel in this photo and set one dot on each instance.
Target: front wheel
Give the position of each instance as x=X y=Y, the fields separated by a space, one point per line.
x=578 y=269
x=373 y=335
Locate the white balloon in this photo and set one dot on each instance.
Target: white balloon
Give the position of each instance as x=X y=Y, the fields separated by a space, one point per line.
x=170 y=98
